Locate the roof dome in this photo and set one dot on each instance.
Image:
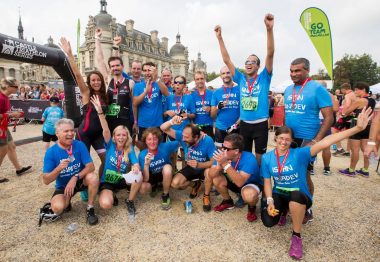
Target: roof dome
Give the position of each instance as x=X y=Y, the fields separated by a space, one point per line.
x=178 y=48
x=103 y=19
x=51 y=43
x=199 y=63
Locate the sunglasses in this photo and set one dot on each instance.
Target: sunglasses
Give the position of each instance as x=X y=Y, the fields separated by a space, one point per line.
x=179 y=82
x=248 y=62
x=227 y=148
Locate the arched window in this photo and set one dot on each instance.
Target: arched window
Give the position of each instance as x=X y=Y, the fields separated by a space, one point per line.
x=2 y=75
x=12 y=72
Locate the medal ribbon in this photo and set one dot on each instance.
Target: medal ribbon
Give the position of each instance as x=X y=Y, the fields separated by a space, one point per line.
x=251 y=86
x=281 y=166
x=178 y=103
x=294 y=95
x=119 y=159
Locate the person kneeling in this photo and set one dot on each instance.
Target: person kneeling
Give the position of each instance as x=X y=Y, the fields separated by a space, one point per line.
x=238 y=171
x=69 y=164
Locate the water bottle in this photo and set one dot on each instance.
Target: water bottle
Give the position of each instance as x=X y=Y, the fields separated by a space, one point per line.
x=189 y=207
x=372 y=159
x=333 y=147
x=72 y=228
x=131 y=218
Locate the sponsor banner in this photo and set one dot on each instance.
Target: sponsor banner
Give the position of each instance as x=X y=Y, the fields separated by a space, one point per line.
x=317 y=27
x=33 y=109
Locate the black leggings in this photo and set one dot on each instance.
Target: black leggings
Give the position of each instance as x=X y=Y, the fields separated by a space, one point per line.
x=281 y=202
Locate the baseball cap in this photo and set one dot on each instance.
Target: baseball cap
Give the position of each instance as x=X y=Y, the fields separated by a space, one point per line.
x=54 y=99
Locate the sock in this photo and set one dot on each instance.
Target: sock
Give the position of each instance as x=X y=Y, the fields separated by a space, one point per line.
x=339 y=148
x=351 y=170
x=365 y=169
x=296 y=234
x=253 y=208
x=89 y=207
x=327 y=168
x=206 y=194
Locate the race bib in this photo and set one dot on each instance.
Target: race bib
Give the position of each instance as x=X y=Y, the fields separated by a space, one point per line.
x=250 y=103
x=113 y=110
x=112 y=177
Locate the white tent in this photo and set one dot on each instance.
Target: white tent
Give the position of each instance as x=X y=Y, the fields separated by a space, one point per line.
x=375 y=88
x=280 y=88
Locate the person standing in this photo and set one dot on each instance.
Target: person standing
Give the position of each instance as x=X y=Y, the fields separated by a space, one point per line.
x=50 y=116
x=254 y=89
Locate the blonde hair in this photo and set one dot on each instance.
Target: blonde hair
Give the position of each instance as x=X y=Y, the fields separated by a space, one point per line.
x=128 y=143
x=8 y=81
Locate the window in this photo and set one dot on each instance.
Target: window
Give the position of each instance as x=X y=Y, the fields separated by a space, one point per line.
x=12 y=72
x=2 y=72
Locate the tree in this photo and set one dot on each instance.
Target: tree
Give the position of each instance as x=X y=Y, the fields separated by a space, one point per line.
x=354 y=68
x=321 y=75
x=211 y=76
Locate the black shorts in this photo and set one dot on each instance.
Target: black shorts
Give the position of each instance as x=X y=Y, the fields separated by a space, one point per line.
x=208 y=130
x=113 y=122
x=362 y=134
x=234 y=188
x=114 y=187
x=47 y=137
x=257 y=132
x=155 y=179
x=343 y=123
x=79 y=186
x=281 y=203
x=221 y=134
x=96 y=142
x=191 y=173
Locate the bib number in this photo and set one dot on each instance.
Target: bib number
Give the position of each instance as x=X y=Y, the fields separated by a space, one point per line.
x=113 y=110
x=250 y=103
x=112 y=177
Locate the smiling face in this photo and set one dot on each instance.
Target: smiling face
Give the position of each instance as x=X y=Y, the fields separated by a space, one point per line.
x=283 y=141
x=200 y=81
x=116 y=67
x=95 y=82
x=298 y=73
x=65 y=134
x=225 y=74
x=136 y=70
x=179 y=84
x=251 y=65
x=187 y=136
x=152 y=142
x=166 y=76
x=120 y=136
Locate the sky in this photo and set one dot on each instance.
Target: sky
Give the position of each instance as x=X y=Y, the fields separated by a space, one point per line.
x=353 y=24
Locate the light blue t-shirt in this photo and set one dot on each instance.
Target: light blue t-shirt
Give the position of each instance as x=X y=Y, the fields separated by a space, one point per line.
x=150 y=110
x=201 y=152
x=178 y=103
x=55 y=154
x=249 y=165
x=304 y=118
x=229 y=114
x=111 y=174
x=201 y=116
x=161 y=158
x=260 y=91
x=51 y=115
x=293 y=176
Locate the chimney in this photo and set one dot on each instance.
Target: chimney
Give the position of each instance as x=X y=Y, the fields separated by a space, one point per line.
x=129 y=25
x=153 y=36
x=164 y=43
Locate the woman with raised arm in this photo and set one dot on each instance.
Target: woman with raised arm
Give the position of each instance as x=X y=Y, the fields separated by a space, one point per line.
x=120 y=157
x=90 y=129
x=287 y=167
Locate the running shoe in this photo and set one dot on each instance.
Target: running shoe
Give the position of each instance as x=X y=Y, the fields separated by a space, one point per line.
x=206 y=203
x=362 y=173
x=68 y=208
x=251 y=215
x=226 y=204
x=92 y=219
x=131 y=207
x=115 y=200
x=326 y=171
x=282 y=221
x=312 y=172
x=195 y=189
x=165 y=202
x=339 y=152
x=239 y=202
x=295 y=250
x=347 y=172
x=346 y=154
x=308 y=217
x=23 y=170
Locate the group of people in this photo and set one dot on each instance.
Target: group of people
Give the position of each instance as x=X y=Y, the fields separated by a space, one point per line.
x=39 y=92
x=215 y=130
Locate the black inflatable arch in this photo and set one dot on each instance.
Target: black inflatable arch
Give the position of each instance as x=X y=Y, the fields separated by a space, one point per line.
x=20 y=50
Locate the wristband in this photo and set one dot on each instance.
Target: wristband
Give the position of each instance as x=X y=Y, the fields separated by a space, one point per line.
x=171 y=121
x=314 y=141
x=226 y=167
x=100 y=113
x=77 y=176
x=371 y=143
x=270 y=200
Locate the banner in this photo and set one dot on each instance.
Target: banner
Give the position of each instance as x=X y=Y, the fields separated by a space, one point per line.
x=317 y=27
x=33 y=109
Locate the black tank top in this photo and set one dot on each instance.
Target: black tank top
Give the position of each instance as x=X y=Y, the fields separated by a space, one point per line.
x=371 y=103
x=121 y=96
x=90 y=124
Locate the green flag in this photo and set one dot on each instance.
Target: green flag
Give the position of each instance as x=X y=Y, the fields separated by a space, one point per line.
x=78 y=42
x=316 y=25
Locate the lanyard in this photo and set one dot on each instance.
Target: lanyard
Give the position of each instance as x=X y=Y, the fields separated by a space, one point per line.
x=237 y=162
x=153 y=152
x=294 y=95
x=150 y=92
x=251 y=86
x=193 y=148
x=281 y=166
x=178 y=103
x=203 y=97
x=119 y=159
x=228 y=95
x=116 y=85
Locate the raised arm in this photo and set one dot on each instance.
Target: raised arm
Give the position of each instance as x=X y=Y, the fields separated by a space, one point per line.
x=166 y=127
x=223 y=50
x=326 y=142
x=116 y=46
x=102 y=118
x=99 y=57
x=269 y=21
x=85 y=91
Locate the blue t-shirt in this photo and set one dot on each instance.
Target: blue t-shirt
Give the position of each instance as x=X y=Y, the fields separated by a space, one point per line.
x=260 y=91
x=150 y=110
x=161 y=158
x=201 y=116
x=249 y=165
x=228 y=115
x=111 y=174
x=185 y=103
x=51 y=115
x=304 y=118
x=293 y=176
x=55 y=154
x=201 y=152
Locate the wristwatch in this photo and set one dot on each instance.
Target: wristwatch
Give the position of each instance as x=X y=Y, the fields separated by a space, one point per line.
x=77 y=176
